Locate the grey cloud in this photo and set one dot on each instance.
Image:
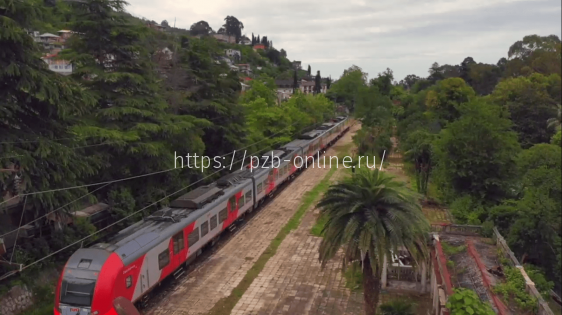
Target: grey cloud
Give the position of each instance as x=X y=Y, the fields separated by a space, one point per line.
x=405 y=35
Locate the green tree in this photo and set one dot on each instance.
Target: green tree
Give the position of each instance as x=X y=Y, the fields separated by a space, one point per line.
x=39 y=110
x=131 y=116
x=556 y=122
x=345 y=89
x=309 y=70
x=444 y=99
x=233 y=27
x=317 y=83
x=418 y=146
x=476 y=153
x=295 y=82
x=200 y=28
x=370 y=214
x=530 y=106
x=384 y=82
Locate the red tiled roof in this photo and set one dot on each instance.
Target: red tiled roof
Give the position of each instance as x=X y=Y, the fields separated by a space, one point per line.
x=49 y=56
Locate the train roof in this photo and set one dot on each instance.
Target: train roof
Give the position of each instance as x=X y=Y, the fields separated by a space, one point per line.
x=166 y=222
x=299 y=143
x=311 y=134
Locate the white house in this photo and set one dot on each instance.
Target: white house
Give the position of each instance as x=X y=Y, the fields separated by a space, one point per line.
x=245 y=68
x=59 y=66
x=245 y=87
x=232 y=52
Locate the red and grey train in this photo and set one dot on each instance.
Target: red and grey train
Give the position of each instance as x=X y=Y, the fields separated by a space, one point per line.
x=140 y=257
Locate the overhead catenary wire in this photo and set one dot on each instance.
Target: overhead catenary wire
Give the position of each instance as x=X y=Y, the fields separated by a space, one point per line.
x=59 y=208
x=118 y=221
x=143 y=175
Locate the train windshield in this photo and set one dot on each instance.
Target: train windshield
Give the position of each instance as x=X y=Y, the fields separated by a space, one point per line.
x=77 y=292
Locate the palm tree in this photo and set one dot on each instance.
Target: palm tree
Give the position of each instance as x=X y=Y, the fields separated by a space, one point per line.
x=556 y=122
x=368 y=215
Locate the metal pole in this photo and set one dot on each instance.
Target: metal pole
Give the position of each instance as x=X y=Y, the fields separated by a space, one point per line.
x=18 y=233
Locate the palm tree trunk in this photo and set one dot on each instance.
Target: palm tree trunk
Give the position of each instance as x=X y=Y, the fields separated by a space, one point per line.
x=371 y=287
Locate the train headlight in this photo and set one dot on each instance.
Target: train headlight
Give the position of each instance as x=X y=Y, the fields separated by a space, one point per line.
x=95 y=313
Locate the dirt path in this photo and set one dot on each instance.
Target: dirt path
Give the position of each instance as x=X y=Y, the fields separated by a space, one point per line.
x=433 y=212
x=222 y=271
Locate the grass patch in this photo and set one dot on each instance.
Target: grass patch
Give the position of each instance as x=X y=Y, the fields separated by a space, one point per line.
x=316 y=230
x=354 y=277
x=225 y=305
x=451 y=250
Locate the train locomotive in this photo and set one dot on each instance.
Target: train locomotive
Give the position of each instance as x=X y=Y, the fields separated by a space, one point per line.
x=138 y=258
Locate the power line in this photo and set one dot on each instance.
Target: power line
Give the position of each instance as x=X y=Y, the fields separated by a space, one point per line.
x=48 y=213
x=121 y=220
x=143 y=175
x=73 y=148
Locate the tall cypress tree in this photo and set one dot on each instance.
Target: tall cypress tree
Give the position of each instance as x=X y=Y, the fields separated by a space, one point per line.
x=317 y=83
x=258 y=39
x=131 y=114
x=309 y=70
x=295 y=82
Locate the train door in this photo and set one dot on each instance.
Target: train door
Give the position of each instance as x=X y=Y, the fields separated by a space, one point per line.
x=178 y=246
x=144 y=285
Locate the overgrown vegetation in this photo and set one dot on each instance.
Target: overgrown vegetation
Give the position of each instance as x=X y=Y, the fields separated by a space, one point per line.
x=484 y=137
x=513 y=289
x=128 y=109
x=398 y=307
x=466 y=302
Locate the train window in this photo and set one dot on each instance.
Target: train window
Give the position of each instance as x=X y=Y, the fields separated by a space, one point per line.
x=260 y=187
x=204 y=228
x=265 y=182
x=241 y=201
x=223 y=215
x=193 y=237
x=163 y=259
x=249 y=196
x=129 y=281
x=178 y=243
x=232 y=202
x=277 y=174
x=213 y=221
x=271 y=173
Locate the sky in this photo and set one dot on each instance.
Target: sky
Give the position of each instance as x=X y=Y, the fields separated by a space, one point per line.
x=407 y=36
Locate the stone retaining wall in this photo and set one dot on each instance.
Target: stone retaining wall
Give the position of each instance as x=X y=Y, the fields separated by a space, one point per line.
x=16 y=300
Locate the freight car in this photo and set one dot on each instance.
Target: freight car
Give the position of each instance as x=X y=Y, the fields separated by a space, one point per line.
x=140 y=257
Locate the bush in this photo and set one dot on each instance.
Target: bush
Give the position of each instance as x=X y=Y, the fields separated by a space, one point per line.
x=487 y=229
x=398 y=307
x=465 y=302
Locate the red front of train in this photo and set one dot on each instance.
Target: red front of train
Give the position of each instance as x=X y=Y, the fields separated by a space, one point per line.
x=89 y=283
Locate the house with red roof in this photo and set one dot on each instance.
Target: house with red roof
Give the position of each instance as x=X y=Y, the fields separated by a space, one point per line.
x=58 y=65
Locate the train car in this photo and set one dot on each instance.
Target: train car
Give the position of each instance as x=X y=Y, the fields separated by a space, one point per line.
x=271 y=171
x=140 y=257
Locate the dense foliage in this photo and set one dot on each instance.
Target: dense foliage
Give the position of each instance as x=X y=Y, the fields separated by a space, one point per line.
x=137 y=99
x=486 y=139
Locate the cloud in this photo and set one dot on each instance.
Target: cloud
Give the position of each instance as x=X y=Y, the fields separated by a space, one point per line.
x=404 y=35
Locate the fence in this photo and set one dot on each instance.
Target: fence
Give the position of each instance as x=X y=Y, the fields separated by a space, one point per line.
x=456 y=229
x=543 y=308
x=402 y=273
